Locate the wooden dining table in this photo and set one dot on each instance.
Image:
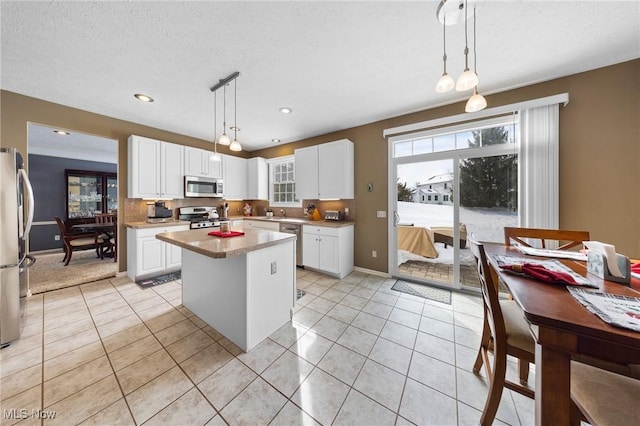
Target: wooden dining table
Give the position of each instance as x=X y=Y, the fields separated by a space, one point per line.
x=108 y=228
x=563 y=328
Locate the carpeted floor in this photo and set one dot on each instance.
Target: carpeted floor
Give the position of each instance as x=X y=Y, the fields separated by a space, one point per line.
x=424 y=291
x=49 y=272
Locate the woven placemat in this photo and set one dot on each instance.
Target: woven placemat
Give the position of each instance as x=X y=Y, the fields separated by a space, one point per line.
x=424 y=291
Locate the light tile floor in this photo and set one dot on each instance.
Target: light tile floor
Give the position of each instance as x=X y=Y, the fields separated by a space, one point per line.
x=356 y=353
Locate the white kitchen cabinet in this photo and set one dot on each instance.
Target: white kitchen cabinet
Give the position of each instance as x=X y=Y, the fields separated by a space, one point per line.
x=147 y=256
x=261 y=224
x=234 y=177
x=156 y=168
x=328 y=249
x=257 y=179
x=199 y=162
x=306 y=173
x=325 y=171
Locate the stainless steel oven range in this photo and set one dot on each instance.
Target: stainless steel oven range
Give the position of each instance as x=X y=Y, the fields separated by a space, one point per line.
x=200 y=217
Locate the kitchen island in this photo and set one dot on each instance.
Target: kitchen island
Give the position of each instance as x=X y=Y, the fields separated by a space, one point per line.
x=242 y=286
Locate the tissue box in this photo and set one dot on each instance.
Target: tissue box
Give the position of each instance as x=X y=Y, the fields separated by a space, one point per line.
x=597 y=265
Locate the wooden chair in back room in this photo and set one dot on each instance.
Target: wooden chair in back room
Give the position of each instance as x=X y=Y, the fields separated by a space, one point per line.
x=78 y=241
x=110 y=238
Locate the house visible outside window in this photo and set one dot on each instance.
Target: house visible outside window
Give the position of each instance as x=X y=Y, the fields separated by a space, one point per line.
x=445 y=197
x=428 y=197
x=435 y=198
x=282 y=186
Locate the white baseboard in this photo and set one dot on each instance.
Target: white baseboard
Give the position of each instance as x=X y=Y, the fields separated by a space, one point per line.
x=372 y=272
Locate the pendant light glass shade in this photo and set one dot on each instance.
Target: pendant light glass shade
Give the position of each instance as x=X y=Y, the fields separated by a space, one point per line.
x=224 y=140
x=445 y=83
x=475 y=102
x=468 y=80
x=235 y=146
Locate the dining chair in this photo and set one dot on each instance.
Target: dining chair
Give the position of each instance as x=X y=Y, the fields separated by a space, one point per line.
x=601 y=397
x=111 y=239
x=566 y=239
x=78 y=241
x=505 y=332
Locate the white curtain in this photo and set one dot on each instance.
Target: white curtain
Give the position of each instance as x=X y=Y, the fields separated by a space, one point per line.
x=539 y=167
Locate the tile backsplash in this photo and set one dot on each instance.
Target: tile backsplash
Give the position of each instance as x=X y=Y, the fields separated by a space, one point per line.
x=135 y=209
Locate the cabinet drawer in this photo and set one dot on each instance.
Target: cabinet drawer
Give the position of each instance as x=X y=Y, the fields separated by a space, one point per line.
x=150 y=232
x=320 y=230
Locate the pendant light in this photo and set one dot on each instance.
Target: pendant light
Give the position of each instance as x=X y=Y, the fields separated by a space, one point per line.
x=468 y=79
x=477 y=101
x=235 y=145
x=215 y=156
x=224 y=139
x=446 y=82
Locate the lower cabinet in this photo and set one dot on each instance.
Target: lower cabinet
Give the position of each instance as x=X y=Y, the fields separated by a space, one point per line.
x=147 y=256
x=261 y=224
x=328 y=249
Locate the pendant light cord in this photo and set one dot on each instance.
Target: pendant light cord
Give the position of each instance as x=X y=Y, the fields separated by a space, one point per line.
x=466 y=40
x=444 y=41
x=215 y=122
x=235 y=110
x=224 y=117
x=475 y=67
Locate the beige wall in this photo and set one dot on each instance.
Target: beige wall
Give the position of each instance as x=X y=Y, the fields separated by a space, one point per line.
x=599 y=153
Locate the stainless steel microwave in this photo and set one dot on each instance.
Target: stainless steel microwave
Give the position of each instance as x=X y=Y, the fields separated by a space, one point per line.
x=196 y=186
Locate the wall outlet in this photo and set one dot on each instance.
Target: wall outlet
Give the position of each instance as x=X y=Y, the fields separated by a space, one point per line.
x=346 y=211
x=381 y=213
x=374 y=253
x=274 y=267
x=56 y=237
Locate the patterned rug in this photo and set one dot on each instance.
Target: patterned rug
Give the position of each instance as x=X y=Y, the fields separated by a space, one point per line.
x=424 y=291
x=49 y=272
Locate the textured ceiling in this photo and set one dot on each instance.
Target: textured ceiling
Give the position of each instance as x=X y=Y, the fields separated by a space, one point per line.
x=337 y=64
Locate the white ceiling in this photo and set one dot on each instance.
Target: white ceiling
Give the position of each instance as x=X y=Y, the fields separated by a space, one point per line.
x=43 y=140
x=337 y=64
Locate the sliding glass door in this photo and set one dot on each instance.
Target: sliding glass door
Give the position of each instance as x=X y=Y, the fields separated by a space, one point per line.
x=448 y=186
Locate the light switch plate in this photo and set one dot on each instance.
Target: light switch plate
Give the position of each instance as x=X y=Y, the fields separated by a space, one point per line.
x=274 y=267
x=381 y=213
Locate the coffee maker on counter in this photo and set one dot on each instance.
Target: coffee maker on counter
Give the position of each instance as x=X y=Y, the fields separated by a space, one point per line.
x=157 y=211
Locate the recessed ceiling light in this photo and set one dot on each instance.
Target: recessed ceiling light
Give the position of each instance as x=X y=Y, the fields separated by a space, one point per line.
x=61 y=132
x=234 y=128
x=143 y=98
x=285 y=110
x=275 y=140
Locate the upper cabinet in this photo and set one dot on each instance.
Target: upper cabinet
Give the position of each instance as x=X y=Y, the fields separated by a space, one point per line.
x=325 y=171
x=234 y=177
x=257 y=179
x=156 y=168
x=199 y=162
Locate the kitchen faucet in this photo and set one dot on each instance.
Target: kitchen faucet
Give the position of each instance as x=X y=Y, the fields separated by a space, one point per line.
x=283 y=213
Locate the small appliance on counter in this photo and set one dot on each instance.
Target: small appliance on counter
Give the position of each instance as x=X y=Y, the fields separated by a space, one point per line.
x=200 y=217
x=158 y=212
x=334 y=215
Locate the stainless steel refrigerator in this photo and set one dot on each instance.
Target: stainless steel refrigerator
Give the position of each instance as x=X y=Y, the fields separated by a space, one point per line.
x=16 y=217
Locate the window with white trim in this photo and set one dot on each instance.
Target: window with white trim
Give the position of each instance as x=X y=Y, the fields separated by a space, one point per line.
x=282 y=185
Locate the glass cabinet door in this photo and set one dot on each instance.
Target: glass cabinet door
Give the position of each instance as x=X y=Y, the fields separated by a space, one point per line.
x=112 y=194
x=84 y=198
x=89 y=193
